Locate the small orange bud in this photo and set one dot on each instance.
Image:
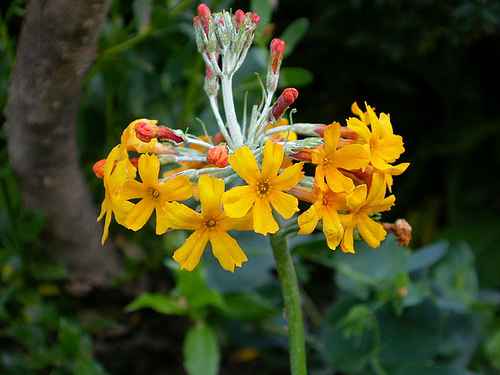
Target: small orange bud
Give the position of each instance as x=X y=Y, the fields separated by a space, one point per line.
x=402 y=229
x=98 y=168
x=218 y=156
x=219 y=138
x=276 y=54
x=287 y=97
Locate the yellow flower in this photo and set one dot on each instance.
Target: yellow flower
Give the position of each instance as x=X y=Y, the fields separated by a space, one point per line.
x=329 y=160
x=153 y=194
x=325 y=208
x=385 y=146
x=130 y=141
x=113 y=176
x=211 y=225
x=363 y=116
x=265 y=188
x=360 y=206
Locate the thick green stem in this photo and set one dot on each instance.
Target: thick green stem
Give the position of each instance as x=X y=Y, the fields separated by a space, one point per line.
x=291 y=296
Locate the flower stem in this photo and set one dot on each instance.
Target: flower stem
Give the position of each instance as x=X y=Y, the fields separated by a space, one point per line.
x=291 y=296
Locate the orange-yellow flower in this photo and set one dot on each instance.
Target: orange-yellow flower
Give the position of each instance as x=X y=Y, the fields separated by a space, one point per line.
x=153 y=194
x=325 y=208
x=113 y=177
x=360 y=205
x=265 y=188
x=329 y=160
x=385 y=146
x=130 y=141
x=211 y=225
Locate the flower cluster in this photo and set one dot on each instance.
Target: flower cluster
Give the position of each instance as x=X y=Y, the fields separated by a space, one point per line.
x=251 y=172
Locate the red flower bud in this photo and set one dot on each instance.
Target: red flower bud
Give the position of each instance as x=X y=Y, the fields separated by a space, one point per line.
x=276 y=55
x=303 y=155
x=218 y=155
x=204 y=16
x=255 y=18
x=239 y=19
x=286 y=98
x=219 y=138
x=98 y=168
x=146 y=132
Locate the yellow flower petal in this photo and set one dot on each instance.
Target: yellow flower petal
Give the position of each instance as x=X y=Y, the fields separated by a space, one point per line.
x=273 y=157
x=107 y=221
x=357 y=198
x=360 y=128
x=263 y=220
x=132 y=189
x=189 y=254
x=149 y=169
x=238 y=200
x=244 y=163
x=289 y=177
x=176 y=189
x=347 y=243
x=211 y=190
x=180 y=216
x=227 y=250
x=308 y=220
x=286 y=204
x=352 y=157
x=371 y=231
x=241 y=223
x=332 y=138
x=337 y=181
x=140 y=214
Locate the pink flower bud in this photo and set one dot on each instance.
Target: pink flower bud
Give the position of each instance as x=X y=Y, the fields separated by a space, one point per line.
x=146 y=132
x=218 y=155
x=286 y=98
x=276 y=56
x=205 y=16
x=254 y=17
x=239 y=19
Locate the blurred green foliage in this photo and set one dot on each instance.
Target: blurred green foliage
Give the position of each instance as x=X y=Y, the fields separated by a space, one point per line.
x=433 y=310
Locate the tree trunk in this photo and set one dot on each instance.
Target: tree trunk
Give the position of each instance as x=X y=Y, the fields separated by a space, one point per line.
x=56 y=48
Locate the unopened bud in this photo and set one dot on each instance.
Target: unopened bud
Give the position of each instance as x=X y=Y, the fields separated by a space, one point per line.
x=286 y=98
x=219 y=138
x=218 y=155
x=98 y=168
x=402 y=229
x=204 y=16
x=146 y=132
x=255 y=18
x=276 y=56
x=239 y=19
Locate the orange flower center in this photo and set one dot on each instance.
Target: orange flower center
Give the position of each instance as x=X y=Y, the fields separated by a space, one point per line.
x=211 y=223
x=325 y=162
x=263 y=187
x=155 y=193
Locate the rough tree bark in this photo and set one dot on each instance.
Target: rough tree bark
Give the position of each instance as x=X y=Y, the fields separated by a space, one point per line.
x=56 y=48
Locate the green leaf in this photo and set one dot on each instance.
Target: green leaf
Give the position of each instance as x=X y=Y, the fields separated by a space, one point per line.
x=69 y=338
x=248 y=307
x=265 y=11
x=86 y=366
x=456 y=273
x=427 y=256
x=46 y=270
x=159 y=302
x=414 y=336
x=294 y=33
x=427 y=369
x=201 y=351
x=296 y=77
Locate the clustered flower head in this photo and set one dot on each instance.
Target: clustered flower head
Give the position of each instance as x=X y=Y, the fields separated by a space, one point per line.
x=250 y=176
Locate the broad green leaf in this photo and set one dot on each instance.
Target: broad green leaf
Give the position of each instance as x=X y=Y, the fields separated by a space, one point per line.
x=46 y=270
x=294 y=33
x=427 y=256
x=69 y=338
x=413 y=336
x=159 y=302
x=456 y=273
x=492 y=349
x=86 y=366
x=201 y=351
x=264 y=9
x=296 y=77
x=248 y=307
